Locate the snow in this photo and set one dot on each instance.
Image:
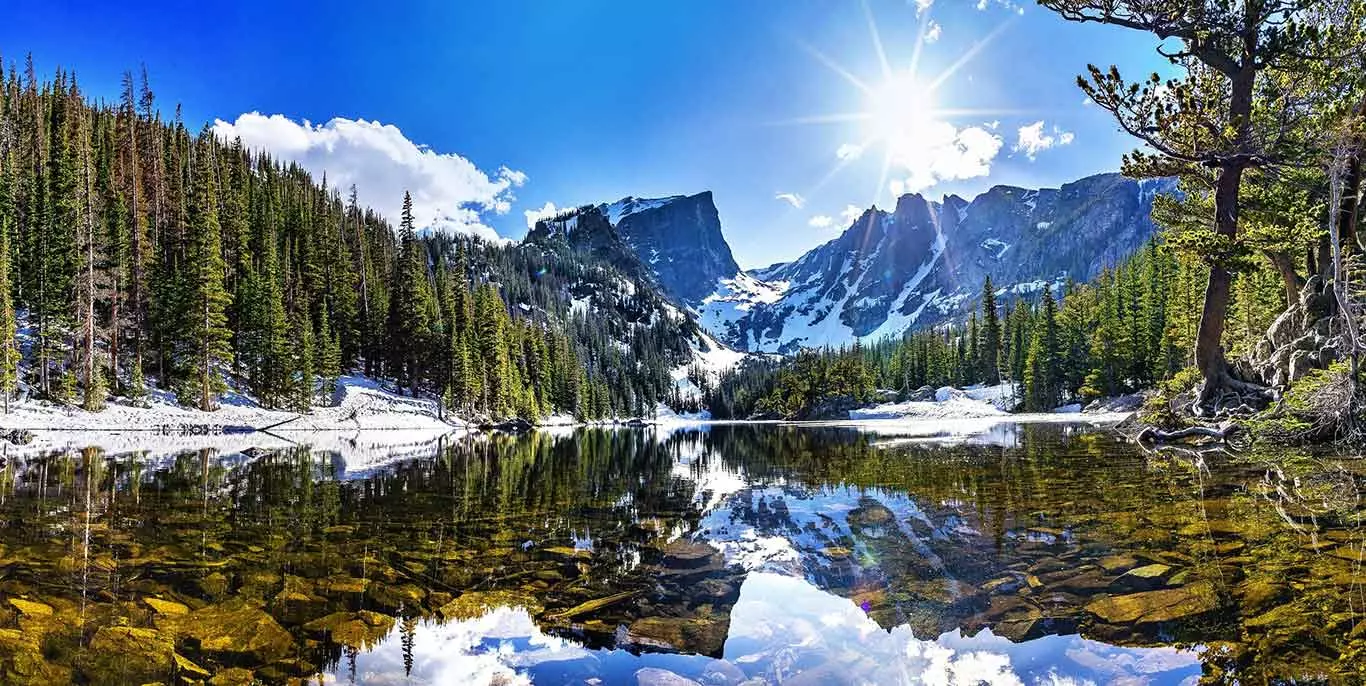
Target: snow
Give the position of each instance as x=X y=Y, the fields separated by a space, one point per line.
x=1073 y=408
x=996 y=245
x=1004 y=396
x=956 y=406
x=628 y=206
x=360 y=404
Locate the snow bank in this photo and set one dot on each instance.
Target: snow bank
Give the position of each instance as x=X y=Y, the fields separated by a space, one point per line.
x=1004 y=396
x=360 y=404
x=953 y=407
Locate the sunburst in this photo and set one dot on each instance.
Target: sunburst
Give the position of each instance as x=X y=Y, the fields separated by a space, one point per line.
x=902 y=114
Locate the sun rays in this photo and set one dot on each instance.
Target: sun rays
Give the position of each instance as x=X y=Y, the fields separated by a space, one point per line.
x=903 y=116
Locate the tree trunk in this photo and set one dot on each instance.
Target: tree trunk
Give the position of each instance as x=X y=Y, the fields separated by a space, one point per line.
x=1209 y=350
x=1348 y=239
x=1285 y=265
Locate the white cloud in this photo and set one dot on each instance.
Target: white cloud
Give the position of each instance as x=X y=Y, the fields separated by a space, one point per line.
x=933 y=31
x=449 y=192
x=545 y=212
x=821 y=221
x=1031 y=139
x=938 y=151
x=1015 y=7
x=1087 y=101
x=795 y=199
x=851 y=213
x=849 y=151
x=922 y=5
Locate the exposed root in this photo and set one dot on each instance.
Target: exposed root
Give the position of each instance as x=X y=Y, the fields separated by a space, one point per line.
x=1225 y=396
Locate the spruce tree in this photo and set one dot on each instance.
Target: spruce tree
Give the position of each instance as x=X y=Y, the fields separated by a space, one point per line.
x=990 y=346
x=1042 y=371
x=209 y=299
x=9 y=345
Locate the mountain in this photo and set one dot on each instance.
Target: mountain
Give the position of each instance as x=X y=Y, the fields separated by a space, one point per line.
x=679 y=238
x=919 y=264
x=924 y=262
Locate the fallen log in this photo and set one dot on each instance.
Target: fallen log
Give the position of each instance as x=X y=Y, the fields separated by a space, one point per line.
x=1223 y=433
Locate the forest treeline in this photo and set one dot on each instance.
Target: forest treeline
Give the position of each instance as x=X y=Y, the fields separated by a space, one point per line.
x=1128 y=330
x=137 y=255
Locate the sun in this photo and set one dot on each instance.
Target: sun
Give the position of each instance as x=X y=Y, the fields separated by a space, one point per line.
x=901 y=115
x=900 y=107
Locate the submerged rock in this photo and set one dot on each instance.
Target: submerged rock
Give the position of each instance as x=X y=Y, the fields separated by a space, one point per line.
x=144 y=653
x=1145 y=578
x=1150 y=607
x=354 y=629
x=237 y=629
x=704 y=635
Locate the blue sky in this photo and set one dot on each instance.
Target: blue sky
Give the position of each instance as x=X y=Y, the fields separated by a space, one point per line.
x=494 y=109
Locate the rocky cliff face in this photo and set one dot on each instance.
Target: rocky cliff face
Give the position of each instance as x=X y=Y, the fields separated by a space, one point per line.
x=925 y=262
x=679 y=239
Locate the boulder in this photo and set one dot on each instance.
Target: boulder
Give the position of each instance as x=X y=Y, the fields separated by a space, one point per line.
x=143 y=654
x=705 y=635
x=924 y=394
x=1145 y=578
x=1150 y=607
x=828 y=408
x=236 y=630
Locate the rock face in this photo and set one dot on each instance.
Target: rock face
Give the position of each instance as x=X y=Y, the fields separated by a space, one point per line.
x=1298 y=341
x=679 y=239
x=924 y=262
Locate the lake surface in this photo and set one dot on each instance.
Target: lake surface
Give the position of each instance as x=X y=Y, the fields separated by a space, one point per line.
x=1035 y=554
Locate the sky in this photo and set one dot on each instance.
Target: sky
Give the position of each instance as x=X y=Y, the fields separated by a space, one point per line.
x=794 y=114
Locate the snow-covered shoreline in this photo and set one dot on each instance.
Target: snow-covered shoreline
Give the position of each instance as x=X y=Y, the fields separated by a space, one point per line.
x=369 y=422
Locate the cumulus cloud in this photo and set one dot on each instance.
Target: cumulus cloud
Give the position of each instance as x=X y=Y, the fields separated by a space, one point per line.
x=449 y=192
x=1032 y=139
x=922 y=5
x=851 y=213
x=939 y=151
x=933 y=31
x=821 y=221
x=849 y=151
x=795 y=199
x=545 y=212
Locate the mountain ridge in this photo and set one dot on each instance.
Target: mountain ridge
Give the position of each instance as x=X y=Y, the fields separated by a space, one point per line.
x=918 y=264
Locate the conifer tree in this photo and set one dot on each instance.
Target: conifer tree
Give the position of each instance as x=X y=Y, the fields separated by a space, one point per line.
x=990 y=346
x=1042 y=371
x=207 y=315
x=9 y=346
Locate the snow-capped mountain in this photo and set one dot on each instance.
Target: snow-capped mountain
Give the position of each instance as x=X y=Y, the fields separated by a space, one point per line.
x=924 y=262
x=917 y=265
x=679 y=238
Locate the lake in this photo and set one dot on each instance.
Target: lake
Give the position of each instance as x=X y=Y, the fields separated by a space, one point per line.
x=724 y=554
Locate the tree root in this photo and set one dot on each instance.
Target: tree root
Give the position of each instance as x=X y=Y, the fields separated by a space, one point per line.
x=1225 y=397
x=1226 y=434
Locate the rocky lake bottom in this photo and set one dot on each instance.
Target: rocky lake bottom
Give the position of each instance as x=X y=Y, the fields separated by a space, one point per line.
x=727 y=554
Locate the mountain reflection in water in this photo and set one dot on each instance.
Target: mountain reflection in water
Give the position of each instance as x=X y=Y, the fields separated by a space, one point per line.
x=1036 y=554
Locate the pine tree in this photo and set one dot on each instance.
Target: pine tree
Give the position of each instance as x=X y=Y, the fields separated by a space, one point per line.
x=329 y=363
x=303 y=373
x=990 y=346
x=9 y=346
x=1042 y=371
x=208 y=334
